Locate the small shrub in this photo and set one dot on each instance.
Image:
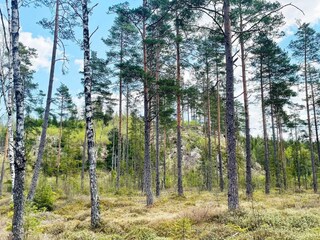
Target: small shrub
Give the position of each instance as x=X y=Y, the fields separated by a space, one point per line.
x=44 y=197
x=182 y=229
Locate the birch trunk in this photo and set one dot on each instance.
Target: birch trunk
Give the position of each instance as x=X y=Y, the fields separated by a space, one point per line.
x=20 y=160
x=95 y=213
x=8 y=102
x=42 y=143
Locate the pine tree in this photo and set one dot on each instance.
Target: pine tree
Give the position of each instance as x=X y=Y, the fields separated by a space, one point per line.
x=64 y=102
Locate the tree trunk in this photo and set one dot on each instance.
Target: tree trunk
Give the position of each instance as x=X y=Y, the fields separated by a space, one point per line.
x=221 y=182
x=275 y=154
x=178 y=81
x=127 y=136
x=282 y=156
x=20 y=159
x=120 y=116
x=249 y=189
x=233 y=197
x=9 y=104
x=157 y=124
x=113 y=150
x=95 y=214
x=147 y=161
x=42 y=143
x=210 y=173
x=314 y=170
x=83 y=159
x=5 y=153
x=265 y=133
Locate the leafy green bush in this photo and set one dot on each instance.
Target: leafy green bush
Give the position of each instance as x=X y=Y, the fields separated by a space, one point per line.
x=44 y=197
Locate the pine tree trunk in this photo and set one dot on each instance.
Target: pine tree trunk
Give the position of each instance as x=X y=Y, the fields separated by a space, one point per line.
x=233 y=197
x=265 y=132
x=95 y=214
x=221 y=182
x=314 y=170
x=127 y=136
x=157 y=124
x=178 y=81
x=84 y=150
x=42 y=143
x=210 y=173
x=298 y=158
x=120 y=117
x=147 y=161
x=275 y=154
x=164 y=157
x=282 y=155
x=249 y=189
x=5 y=153
x=20 y=159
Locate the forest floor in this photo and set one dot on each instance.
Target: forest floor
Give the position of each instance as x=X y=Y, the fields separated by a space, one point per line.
x=196 y=216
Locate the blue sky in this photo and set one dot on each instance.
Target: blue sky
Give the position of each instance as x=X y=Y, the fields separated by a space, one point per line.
x=42 y=40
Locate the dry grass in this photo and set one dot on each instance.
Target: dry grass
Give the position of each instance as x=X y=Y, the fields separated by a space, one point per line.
x=293 y=216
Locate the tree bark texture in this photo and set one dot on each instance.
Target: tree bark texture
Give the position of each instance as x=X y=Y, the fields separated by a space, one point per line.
x=147 y=176
x=95 y=212
x=178 y=81
x=120 y=118
x=233 y=197
x=157 y=124
x=20 y=159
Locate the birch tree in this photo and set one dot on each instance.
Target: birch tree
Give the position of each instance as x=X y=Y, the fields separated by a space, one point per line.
x=20 y=160
x=95 y=212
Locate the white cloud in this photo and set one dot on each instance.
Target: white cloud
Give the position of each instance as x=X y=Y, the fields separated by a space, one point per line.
x=43 y=45
x=310 y=8
x=79 y=62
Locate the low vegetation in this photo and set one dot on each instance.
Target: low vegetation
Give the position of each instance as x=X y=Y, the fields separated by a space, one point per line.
x=198 y=215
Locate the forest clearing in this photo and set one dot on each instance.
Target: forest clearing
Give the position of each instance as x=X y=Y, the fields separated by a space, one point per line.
x=159 y=119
